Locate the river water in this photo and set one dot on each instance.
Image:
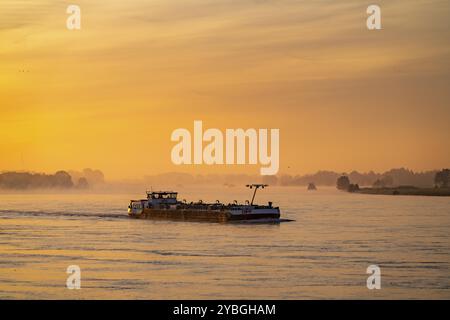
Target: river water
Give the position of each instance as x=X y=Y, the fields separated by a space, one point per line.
x=323 y=254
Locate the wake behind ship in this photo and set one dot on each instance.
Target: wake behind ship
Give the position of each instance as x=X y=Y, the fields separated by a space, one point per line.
x=163 y=205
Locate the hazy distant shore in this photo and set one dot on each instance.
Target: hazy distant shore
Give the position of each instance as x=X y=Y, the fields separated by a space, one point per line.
x=407 y=191
x=94 y=180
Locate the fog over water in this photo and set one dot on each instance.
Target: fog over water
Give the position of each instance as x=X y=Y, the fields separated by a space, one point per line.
x=324 y=253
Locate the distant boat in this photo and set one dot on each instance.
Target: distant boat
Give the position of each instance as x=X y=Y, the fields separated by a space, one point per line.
x=312 y=186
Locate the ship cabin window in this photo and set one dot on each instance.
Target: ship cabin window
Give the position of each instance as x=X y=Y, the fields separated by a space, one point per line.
x=137 y=205
x=164 y=195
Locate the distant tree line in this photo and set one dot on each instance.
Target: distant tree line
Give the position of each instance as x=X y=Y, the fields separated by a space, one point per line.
x=60 y=180
x=441 y=180
x=393 y=177
x=26 y=180
x=87 y=178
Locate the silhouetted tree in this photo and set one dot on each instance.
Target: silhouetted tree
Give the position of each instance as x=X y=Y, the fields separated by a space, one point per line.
x=442 y=178
x=353 y=187
x=342 y=183
x=93 y=176
x=62 y=179
x=82 y=183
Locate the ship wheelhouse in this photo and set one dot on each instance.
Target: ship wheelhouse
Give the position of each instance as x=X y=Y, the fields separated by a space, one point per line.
x=137 y=206
x=162 y=198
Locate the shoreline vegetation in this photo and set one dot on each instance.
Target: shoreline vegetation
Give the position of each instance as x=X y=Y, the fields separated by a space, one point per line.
x=386 y=186
x=407 y=191
x=399 y=181
x=63 y=180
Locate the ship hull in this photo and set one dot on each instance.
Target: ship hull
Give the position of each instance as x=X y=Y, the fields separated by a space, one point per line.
x=218 y=216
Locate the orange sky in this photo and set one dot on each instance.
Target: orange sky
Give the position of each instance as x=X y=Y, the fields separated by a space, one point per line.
x=109 y=96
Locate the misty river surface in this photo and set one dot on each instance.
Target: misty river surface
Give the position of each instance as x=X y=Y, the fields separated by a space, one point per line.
x=323 y=254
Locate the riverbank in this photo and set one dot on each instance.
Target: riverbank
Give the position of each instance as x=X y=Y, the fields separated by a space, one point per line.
x=407 y=191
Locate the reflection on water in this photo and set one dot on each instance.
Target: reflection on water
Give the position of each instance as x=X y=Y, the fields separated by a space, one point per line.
x=324 y=253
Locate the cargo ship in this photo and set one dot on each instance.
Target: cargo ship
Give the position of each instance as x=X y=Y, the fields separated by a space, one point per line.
x=164 y=205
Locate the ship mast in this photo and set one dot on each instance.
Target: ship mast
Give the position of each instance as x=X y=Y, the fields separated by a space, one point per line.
x=256 y=186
